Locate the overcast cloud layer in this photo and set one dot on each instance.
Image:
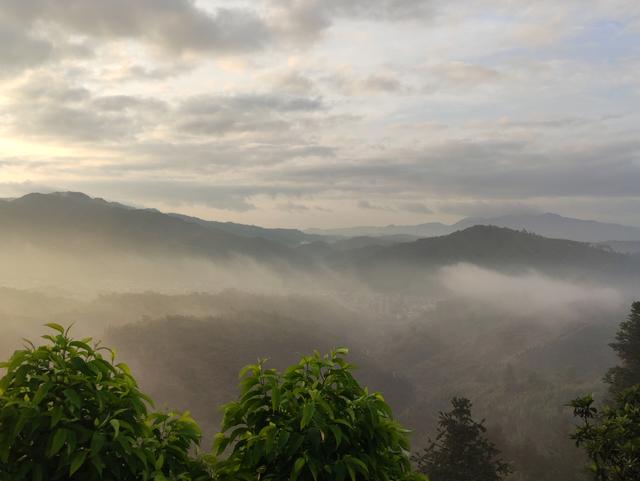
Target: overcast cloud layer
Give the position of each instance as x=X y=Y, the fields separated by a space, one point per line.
x=326 y=112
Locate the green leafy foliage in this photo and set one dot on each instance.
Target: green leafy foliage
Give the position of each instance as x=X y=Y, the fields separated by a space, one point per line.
x=611 y=437
x=461 y=451
x=627 y=347
x=67 y=413
x=312 y=422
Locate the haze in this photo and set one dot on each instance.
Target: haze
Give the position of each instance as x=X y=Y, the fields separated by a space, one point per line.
x=449 y=188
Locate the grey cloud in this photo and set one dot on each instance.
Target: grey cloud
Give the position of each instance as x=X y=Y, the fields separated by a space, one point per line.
x=220 y=115
x=19 y=50
x=366 y=205
x=185 y=193
x=484 y=208
x=348 y=84
x=48 y=107
x=251 y=103
x=490 y=170
x=118 y=103
x=211 y=156
x=293 y=207
x=415 y=208
x=294 y=82
x=465 y=74
x=50 y=89
x=175 y=26
x=308 y=18
x=382 y=83
x=69 y=123
x=17 y=189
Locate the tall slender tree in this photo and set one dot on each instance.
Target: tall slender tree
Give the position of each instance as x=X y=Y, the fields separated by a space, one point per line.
x=461 y=451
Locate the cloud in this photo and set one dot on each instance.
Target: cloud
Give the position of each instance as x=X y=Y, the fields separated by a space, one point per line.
x=293 y=207
x=461 y=74
x=415 y=208
x=489 y=169
x=365 y=204
x=526 y=293
x=486 y=208
x=46 y=106
x=19 y=50
x=188 y=193
x=379 y=83
x=307 y=19
x=18 y=189
x=173 y=26
x=293 y=82
x=220 y=115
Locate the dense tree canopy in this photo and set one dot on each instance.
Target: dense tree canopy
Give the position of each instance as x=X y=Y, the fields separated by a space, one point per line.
x=611 y=437
x=627 y=347
x=461 y=451
x=313 y=421
x=66 y=413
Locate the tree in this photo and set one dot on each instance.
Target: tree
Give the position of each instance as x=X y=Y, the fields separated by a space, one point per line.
x=627 y=347
x=461 y=451
x=611 y=437
x=312 y=422
x=66 y=413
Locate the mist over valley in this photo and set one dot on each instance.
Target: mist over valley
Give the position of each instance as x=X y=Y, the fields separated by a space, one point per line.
x=505 y=317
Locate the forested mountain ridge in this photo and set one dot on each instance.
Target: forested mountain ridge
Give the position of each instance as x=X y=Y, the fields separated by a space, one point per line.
x=496 y=248
x=77 y=221
x=107 y=243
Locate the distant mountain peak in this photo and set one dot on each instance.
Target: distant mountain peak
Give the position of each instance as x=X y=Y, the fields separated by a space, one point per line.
x=73 y=195
x=38 y=196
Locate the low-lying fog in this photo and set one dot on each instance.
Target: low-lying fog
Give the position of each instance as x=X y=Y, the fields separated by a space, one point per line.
x=519 y=345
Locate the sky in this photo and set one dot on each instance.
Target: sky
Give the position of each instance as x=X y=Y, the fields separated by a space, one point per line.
x=326 y=113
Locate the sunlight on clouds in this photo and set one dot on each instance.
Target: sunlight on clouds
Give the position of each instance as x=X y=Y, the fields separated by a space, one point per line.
x=390 y=103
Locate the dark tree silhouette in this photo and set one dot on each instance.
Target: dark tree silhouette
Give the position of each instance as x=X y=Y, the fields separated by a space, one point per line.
x=627 y=347
x=461 y=451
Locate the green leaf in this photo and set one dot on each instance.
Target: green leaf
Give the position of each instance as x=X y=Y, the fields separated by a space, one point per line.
x=77 y=461
x=307 y=413
x=116 y=427
x=58 y=441
x=73 y=397
x=97 y=443
x=42 y=391
x=55 y=327
x=297 y=467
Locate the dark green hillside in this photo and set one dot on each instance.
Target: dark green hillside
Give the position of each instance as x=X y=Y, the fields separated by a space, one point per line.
x=496 y=248
x=290 y=237
x=74 y=221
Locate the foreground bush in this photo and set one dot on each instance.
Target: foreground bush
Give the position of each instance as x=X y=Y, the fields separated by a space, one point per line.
x=66 y=413
x=312 y=422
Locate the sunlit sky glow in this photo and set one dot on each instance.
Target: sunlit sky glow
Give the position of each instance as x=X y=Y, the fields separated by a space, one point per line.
x=326 y=113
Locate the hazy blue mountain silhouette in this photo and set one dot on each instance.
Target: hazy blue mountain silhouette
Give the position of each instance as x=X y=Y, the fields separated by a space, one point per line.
x=79 y=224
x=548 y=225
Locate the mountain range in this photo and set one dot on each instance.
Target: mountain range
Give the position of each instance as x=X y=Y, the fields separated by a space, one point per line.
x=83 y=226
x=548 y=225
